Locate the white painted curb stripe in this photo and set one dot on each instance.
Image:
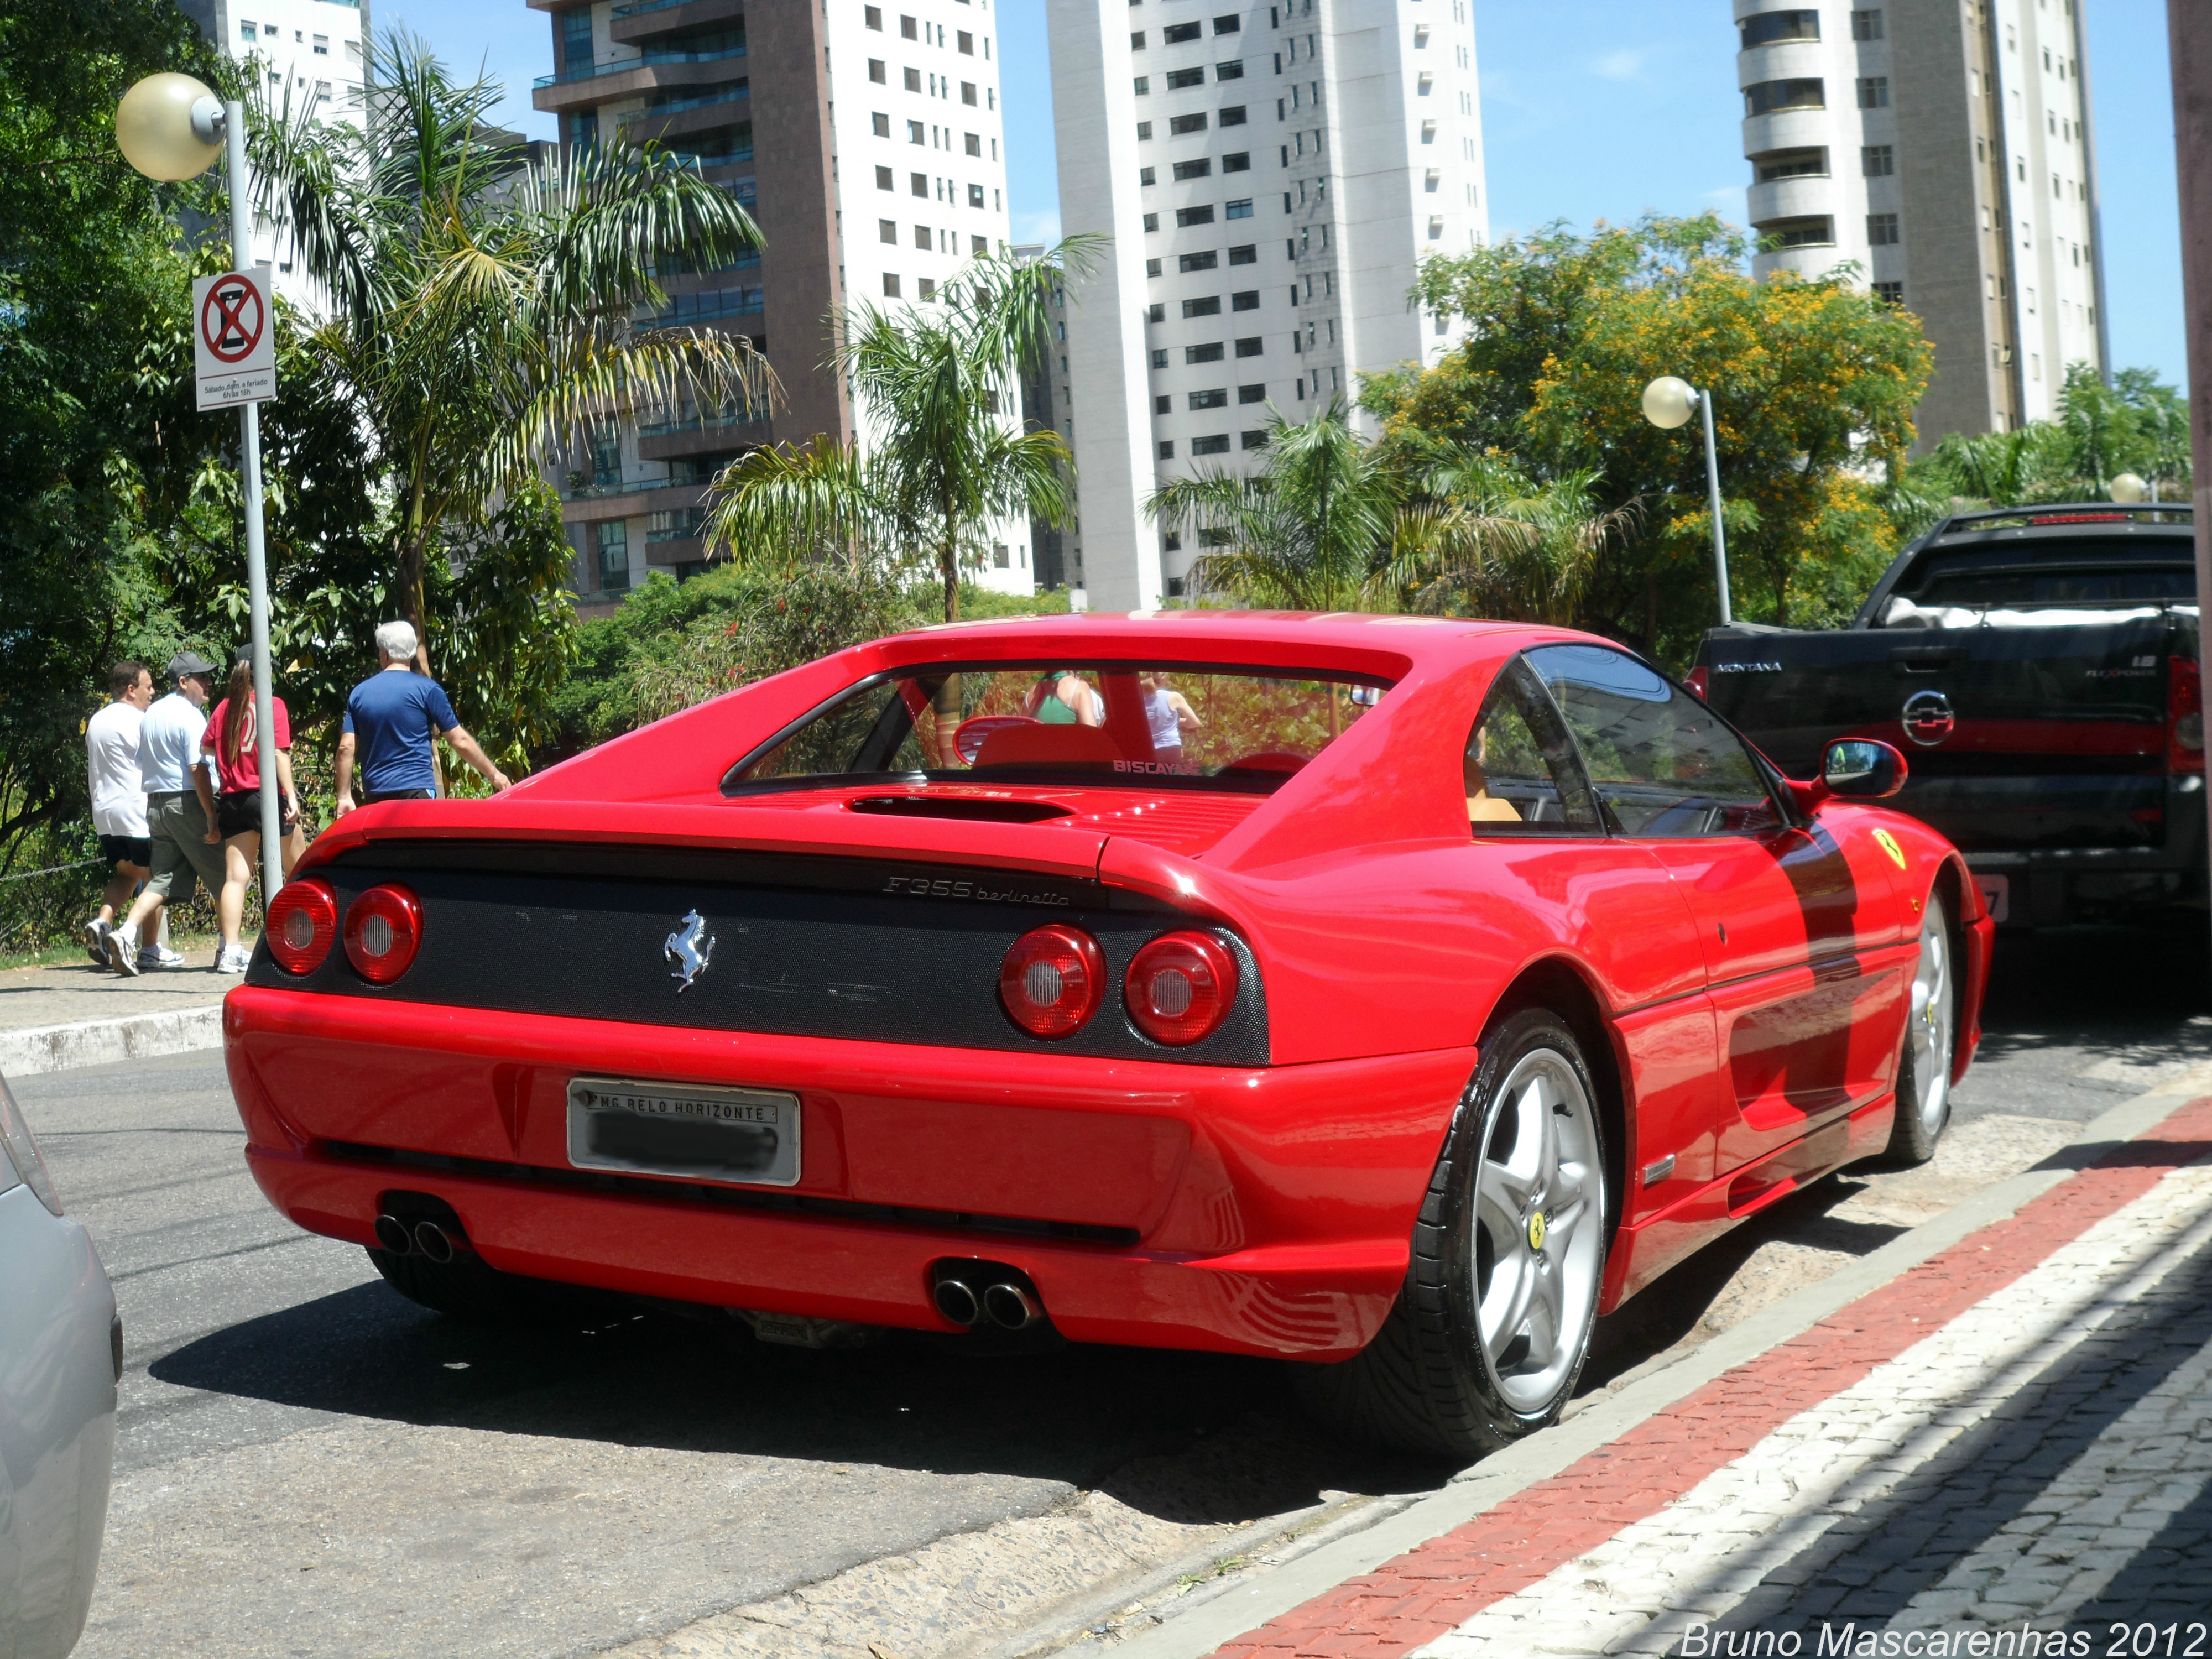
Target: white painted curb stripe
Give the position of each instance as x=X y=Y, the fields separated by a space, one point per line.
x=101 y=1042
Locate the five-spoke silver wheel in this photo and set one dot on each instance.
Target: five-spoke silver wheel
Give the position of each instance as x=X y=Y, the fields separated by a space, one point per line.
x=1924 y=1064
x=1539 y=1238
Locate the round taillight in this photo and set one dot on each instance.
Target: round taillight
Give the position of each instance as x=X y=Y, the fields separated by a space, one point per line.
x=383 y=930
x=1052 y=980
x=302 y=925
x=1180 y=987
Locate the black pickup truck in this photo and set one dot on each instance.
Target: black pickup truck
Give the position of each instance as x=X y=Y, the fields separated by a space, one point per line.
x=2040 y=668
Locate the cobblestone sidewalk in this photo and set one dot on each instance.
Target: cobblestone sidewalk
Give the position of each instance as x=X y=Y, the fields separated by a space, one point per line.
x=2008 y=1449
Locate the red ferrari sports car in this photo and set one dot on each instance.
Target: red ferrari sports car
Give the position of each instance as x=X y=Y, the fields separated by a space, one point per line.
x=1391 y=994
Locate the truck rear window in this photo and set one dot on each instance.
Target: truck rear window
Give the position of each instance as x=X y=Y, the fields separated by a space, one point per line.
x=1096 y=723
x=2029 y=575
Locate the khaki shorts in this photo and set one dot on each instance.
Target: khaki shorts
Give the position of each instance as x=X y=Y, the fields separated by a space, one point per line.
x=178 y=827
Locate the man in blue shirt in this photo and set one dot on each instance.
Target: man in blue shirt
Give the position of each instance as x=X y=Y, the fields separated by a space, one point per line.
x=390 y=720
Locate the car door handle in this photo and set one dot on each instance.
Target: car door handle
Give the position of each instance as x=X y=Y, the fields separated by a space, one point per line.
x=1925 y=658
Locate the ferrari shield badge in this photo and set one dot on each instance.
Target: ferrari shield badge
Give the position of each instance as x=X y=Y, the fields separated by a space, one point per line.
x=688 y=947
x=1882 y=839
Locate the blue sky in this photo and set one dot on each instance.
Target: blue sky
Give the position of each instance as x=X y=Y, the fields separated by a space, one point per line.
x=1592 y=109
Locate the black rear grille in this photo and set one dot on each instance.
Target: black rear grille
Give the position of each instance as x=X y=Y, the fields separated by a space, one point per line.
x=700 y=1194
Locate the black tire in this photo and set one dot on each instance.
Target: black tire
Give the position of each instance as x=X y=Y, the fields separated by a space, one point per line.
x=1920 y=1118
x=467 y=1288
x=1426 y=1383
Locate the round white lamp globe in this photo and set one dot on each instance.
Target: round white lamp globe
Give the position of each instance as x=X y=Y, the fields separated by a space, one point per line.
x=169 y=127
x=1669 y=402
x=2129 y=487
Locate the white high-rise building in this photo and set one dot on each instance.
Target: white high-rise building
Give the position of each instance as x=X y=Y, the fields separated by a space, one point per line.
x=1944 y=148
x=1271 y=177
x=312 y=56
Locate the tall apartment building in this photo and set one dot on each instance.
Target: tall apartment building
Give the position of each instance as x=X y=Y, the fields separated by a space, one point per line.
x=1271 y=176
x=866 y=140
x=1943 y=147
x=314 y=54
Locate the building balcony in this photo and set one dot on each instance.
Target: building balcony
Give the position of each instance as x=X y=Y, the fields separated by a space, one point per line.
x=588 y=86
x=683 y=117
x=1791 y=199
x=593 y=503
x=647 y=18
x=717 y=434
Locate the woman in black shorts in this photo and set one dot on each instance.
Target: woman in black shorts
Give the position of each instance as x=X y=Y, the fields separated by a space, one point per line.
x=229 y=742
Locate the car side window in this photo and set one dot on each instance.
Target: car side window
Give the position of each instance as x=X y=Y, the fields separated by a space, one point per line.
x=1662 y=764
x=1522 y=774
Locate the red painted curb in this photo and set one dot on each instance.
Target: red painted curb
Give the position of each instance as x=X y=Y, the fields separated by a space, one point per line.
x=1419 y=1595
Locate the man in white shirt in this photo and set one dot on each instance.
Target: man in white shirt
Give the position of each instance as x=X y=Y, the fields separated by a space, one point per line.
x=181 y=815
x=119 y=800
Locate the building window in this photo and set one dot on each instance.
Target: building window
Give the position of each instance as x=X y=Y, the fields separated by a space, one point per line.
x=1196 y=216
x=966 y=42
x=1156 y=312
x=980 y=246
x=1866 y=23
x=1238 y=209
x=924 y=240
x=1160 y=357
x=1790 y=164
x=1232 y=116
x=247 y=31
x=887 y=231
x=1180 y=79
x=1251 y=394
x=882 y=123
x=1162 y=404
x=1253 y=441
x=974 y=195
x=877 y=71
x=1251 y=348
x=926 y=288
x=1166 y=449
x=1815 y=232
x=1202 y=353
x=913 y=79
x=1240 y=163
x=974 y=144
x=1873 y=92
x=1247 y=300
x=919 y=183
x=1890 y=293
x=875 y=14
x=1145 y=176
x=1228 y=25
x=1180 y=125
x=1189 y=262
x=1878 y=160
x=1175 y=34
x=1216 y=445
x=1151 y=222
x=1175 y=587
x=1765 y=97
x=1144 y=131
x=883 y=179
x=1246 y=255
x=1137 y=40
x=1764 y=28
x=614 y=556
x=1202 y=168
x=322 y=45
x=1144 y=85
x=1208 y=307
x=890 y=286
x=1151 y=268
x=1232 y=71
x=907 y=30
x=915 y=134
x=1216 y=399
x=968 y=93
x=1882 y=230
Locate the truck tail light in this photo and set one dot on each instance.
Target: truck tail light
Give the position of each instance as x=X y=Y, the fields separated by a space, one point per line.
x=1052 y=980
x=2185 y=716
x=302 y=925
x=1700 y=677
x=383 y=930
x=1180 y=988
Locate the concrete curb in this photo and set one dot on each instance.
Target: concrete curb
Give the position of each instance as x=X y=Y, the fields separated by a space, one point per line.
x=1198 y=1630
x=100 y=1042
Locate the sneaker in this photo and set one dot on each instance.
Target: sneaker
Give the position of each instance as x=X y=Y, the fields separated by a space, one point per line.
x=119 y=957
x=96 y=941
x=154 y=956
x=232 y=959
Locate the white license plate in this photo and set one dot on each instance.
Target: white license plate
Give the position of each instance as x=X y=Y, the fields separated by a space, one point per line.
x=1996 y=894
x=743 y=1137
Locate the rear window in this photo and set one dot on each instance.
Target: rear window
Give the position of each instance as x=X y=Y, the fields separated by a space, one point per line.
x=1202 y=726
x=2070 y=572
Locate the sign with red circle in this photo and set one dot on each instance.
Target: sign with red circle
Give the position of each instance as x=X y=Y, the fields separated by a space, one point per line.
x=233 y=345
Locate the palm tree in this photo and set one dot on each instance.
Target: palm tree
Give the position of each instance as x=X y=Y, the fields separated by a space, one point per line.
x=1319 y=526
x=938 y=383
x=1501 y=546
x=485 y=310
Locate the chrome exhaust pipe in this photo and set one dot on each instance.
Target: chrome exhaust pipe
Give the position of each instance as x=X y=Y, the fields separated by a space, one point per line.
x=391 y=1235
x=1010 y=1306
x=955 y=1300
x=434 y=1242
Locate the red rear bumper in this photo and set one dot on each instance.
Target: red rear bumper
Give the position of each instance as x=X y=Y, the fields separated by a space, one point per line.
x=1264 y=1211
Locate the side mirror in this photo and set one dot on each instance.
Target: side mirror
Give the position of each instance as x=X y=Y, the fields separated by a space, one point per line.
x=1860 y=768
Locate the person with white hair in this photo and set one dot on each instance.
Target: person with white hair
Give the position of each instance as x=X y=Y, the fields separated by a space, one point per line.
x=390 y=720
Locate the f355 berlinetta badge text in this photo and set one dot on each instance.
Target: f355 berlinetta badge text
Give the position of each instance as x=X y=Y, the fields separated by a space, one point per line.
x=688 y=947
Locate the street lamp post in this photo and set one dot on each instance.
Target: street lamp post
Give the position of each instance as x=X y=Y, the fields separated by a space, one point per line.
x=1668 y=403
x=171 y=127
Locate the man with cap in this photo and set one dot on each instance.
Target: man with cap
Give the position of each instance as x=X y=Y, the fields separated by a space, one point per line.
x=180 y=813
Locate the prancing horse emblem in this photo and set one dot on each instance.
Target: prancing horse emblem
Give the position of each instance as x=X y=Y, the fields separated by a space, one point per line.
x=688 y=947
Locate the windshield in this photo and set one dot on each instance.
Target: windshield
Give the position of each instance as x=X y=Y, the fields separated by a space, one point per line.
x=1088 y=723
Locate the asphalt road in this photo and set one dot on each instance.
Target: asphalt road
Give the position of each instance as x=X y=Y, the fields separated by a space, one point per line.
x=310 y=1465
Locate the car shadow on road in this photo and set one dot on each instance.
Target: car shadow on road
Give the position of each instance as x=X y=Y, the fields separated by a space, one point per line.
x=1188 y=1438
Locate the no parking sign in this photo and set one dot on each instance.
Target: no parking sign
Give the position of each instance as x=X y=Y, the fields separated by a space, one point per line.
x=235 y=339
